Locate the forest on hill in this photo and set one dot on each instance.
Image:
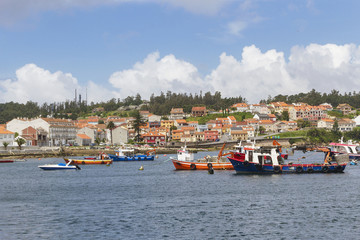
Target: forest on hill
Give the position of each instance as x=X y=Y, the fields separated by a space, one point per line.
x=161 y=104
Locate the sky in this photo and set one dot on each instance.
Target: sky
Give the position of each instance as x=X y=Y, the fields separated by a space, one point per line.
x=108 y=49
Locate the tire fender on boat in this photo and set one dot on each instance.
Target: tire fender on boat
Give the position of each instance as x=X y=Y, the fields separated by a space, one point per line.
x=246 y=163
x=277 y=169
x=310 y=170
x=325 y=169
x=338 y=168
x=83 y=162
x=209 y=165
x=192 y=166
x=102 y=162
x=299 y=169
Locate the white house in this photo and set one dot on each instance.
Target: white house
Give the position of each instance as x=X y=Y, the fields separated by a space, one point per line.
x=6 y=136
x=59 y=131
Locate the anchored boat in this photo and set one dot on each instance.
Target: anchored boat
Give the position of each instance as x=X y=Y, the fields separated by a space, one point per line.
x=185 y=161
x=127 y=154
x=60 y=166
x=269 y=161
x=346 y=148
x=88 y=161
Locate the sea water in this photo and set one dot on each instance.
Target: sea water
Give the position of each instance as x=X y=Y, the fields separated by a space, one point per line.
x=122 y=202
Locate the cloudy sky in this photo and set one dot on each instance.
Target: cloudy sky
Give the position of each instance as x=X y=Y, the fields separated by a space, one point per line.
x=118 y=48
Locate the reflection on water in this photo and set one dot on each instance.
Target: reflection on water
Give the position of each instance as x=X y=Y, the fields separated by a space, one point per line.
x=121 y=202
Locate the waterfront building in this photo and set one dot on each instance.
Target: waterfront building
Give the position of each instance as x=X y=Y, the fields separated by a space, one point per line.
x=239 y=135
x=120 y=135
x=154 y=138
x=199 y=136
x=6 y=136
x=58 y=131
x=83 y=140
x=211 y=135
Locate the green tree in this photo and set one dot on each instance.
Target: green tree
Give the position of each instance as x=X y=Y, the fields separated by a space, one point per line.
x=285 y=116
x=335 y=126
x=303 y=123
x=137 y=124
x=20 y=141
x=111 y=127
x=97 y=141
x=5 y=144
x=261 y=130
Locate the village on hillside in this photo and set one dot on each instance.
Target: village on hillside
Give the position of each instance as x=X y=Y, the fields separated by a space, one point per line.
x=176 y=127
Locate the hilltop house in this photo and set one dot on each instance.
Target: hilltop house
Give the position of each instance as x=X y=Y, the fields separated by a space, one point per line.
x=198 y=111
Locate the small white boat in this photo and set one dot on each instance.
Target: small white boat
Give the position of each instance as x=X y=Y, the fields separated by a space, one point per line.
x=60 y=166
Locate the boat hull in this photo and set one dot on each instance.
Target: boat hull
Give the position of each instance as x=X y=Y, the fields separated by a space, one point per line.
x=244 y=167
x=6 y=161
x=88 y=161
x=184 y=165
x=55 y=167
x=116 y=158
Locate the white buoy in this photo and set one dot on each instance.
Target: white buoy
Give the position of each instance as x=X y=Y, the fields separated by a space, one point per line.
x=141 y=168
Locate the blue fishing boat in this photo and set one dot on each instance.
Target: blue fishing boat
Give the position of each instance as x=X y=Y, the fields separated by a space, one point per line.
x=269 y=161
x=127 y=154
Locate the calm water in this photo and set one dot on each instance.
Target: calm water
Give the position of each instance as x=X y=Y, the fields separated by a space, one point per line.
x=121 y=202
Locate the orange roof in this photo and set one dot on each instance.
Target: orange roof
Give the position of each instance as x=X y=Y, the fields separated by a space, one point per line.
x=151 y=134
x=177 y=110
x=198 y=108
x=239 y=105
x=266 y=122
x=83 y=136
x=5 y=131
x=181 y=121
x=188 y=128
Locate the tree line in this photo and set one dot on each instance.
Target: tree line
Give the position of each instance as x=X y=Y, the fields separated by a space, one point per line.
x=161 y=104
x=314 y=98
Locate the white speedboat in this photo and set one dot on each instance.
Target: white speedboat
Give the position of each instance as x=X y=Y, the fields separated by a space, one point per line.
x=60 y=166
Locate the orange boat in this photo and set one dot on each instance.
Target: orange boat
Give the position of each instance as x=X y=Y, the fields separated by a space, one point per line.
x=185 y=161
x=183 y=165
x=88 y=161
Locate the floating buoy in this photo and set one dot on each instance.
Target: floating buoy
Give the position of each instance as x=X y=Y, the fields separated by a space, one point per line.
x=141 y=168
x=39 y=159
x=156 y=156
x=164 y=155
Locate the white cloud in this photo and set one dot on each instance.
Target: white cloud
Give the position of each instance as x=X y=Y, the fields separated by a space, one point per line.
x=255 y=76
x=36 y=84
x=326 y=67
x=156 y=74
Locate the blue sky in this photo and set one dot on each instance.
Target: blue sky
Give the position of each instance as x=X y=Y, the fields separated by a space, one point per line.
x=117 y=48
